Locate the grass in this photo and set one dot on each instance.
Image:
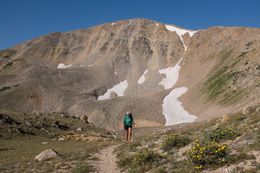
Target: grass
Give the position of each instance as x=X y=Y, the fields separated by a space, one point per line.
x=83 y=168
x=27 y=147
x=21 y=151
x=221 y=134
x=17 y=151
x=218 y=82
x=140 y=161
x=233 y=96
x=175 y=141
x=220 y=143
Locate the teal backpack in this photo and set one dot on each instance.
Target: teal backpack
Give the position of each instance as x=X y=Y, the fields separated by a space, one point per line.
x=128 y=120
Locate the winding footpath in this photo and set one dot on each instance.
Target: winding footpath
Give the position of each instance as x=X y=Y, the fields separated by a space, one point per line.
x=106 y=161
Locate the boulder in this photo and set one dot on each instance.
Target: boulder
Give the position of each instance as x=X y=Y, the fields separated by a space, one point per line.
x=79 y=129
x=61 y=139
x=100 y=91
x=45 y=155
x=84 y=118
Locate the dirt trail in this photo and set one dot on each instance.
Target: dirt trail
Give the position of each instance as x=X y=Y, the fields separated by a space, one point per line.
x=107 y=161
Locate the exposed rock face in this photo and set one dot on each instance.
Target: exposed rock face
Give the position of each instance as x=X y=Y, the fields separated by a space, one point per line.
x=45 y=155
x=68 y=71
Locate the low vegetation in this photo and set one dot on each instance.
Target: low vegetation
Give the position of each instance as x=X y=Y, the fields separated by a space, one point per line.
x=83 y=168
x=193 y=148
x=175 y=141
x=25 y=135
x=140 y=161
x=223 y=84
x=207 y=154
x=221 y=134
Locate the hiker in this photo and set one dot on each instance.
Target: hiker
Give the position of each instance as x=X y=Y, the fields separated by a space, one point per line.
x=128 y=125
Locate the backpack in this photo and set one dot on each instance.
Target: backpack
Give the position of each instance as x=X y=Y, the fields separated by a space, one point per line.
x=128 y=120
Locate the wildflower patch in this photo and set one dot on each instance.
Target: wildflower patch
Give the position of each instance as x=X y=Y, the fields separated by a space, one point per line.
x=207 y=154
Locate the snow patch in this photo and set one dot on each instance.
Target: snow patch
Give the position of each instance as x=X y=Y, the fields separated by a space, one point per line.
x=172 y=75
x=157 y=24
x=142 y=78
x=130 y=22
x=113 y=24
x=119 y=89
x=63 y=66
x=173 y=110
x=180 y=33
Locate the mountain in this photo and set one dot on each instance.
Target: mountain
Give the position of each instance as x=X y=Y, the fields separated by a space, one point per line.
x=139 y=65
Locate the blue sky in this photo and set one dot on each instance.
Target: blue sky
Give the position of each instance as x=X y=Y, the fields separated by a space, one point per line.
x=26 y=19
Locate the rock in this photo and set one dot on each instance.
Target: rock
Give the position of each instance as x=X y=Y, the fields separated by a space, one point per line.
x=84 y=119
x=57 y=165
x=45 y=155
x=24 y=131
x=257 y=109
x=28 y=123
x=57 y=124
x=44 y=143
x=61 y=139
x=79 y=129
x=7 y=120
x=65 y=115
x=100 y=91
x=114 y=136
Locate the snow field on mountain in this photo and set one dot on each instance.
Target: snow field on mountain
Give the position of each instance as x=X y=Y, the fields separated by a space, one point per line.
x=142 y=78
x=180 y=33
x=171 y=75
x=173 y=110
x=119 y=89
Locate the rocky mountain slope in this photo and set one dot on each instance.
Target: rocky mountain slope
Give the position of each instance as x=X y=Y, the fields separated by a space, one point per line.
x=134 y=65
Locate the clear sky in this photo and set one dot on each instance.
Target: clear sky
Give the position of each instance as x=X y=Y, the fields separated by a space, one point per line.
x=26 y=19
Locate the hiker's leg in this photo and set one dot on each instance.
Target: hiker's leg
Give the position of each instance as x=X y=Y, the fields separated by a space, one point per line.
x=129 y=133
x=126 y=134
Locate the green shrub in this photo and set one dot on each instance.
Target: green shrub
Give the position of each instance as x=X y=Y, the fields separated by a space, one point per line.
x=175 y=141
x=207 y=154
x=124 y=161
x=82 y=168
x=146 y=157
x=160 y=169
x=141 y=161
x=221 y=134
